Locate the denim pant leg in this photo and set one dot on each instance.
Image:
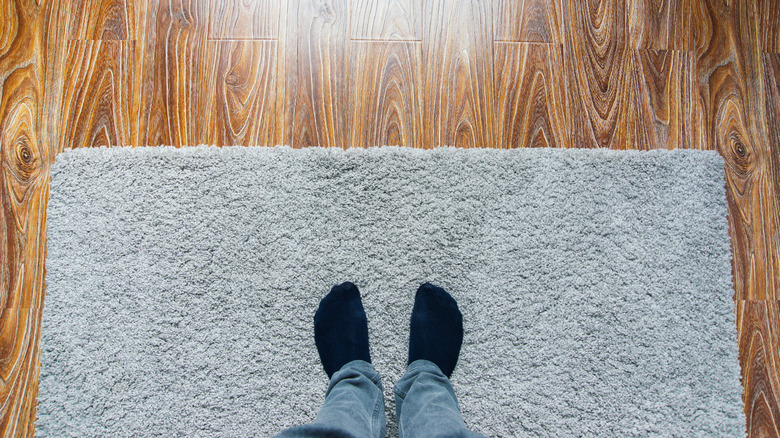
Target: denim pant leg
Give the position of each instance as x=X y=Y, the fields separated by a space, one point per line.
x=354 y=406
x=426 y=405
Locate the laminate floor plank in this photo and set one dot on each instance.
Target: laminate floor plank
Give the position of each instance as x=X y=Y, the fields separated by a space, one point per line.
x=102 y=19
x=386 y=99
x=387 y=20
x=769 y=25
x=316 y=76
x=530 y=95
x=729 y=107
x=283 y=58
x=96 y=103
x=173 y=75
x=771 y=194
x=458 y=74
x=663 y=89
x=244 y=84
x=24 y=170
x=598 y=64
x=19 y=369
x=244 y=19
x=648 y=23
x=758 y=331
x=684 y=25
x=638 y=74
x=528 y=21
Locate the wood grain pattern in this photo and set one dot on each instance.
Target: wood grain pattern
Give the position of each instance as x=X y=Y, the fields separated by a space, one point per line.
x=283 y=59
x=458 y=74
x=663 y=89
x=19 y=369
x=688 y=19
x=729 y=116
x=102 y=19
x=648 y=23
x=387 y=19
x=96 y=106
x=24 y=161
x=183 y=89
x=769 y=25
x=597 y=58
x=244 y=19
x=245 y=96
x=386 y=100
x=530 y=95
x=758 y=331
x=527 y=21
x=317 y=59
x=173 y=75
x=771 y=195
x=24 y=171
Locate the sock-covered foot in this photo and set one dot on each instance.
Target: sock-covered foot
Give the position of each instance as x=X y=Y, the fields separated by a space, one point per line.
x=436 y=331
x=341 y=328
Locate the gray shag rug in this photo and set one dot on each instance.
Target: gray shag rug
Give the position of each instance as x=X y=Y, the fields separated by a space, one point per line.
x=595 y=286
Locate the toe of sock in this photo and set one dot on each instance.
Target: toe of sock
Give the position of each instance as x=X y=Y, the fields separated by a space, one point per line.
x=340 y=328
x=430 y=294
x=436 y=328
x=344 y=290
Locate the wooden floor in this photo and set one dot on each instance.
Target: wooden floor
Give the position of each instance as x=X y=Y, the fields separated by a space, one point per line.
x=634 y=74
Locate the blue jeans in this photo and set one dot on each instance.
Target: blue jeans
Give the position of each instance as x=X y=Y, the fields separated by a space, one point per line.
x=425 y=405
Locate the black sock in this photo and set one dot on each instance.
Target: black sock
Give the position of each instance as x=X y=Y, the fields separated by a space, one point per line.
x=436 y=329
x=341 y=328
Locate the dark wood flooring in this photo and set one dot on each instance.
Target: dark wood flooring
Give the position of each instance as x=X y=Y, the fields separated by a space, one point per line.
x=634 y=74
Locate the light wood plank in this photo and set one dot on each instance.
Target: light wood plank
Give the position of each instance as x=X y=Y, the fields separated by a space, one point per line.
x=244 y=83
x=386 y=97
x=96 y=103
x=173 y=75
x=24 y=165
x=458 y=74
x=174 y=100
x=530 y=95
x=102 y=19
x=387 y=20
x=25 y=160
x=19 y=368
x=244 y=19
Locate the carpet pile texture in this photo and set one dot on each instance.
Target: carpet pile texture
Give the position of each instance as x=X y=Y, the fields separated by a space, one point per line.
x=595 y=286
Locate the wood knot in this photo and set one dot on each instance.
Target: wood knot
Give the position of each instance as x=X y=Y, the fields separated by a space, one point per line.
x=326 y=12
x=25 y=154
x=231 y=79
x=739 y=147
x=740 y=155
x=181 y=20
x=26 y=162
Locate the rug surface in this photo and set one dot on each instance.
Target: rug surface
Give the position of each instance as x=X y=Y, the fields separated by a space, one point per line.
x=181 y=285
